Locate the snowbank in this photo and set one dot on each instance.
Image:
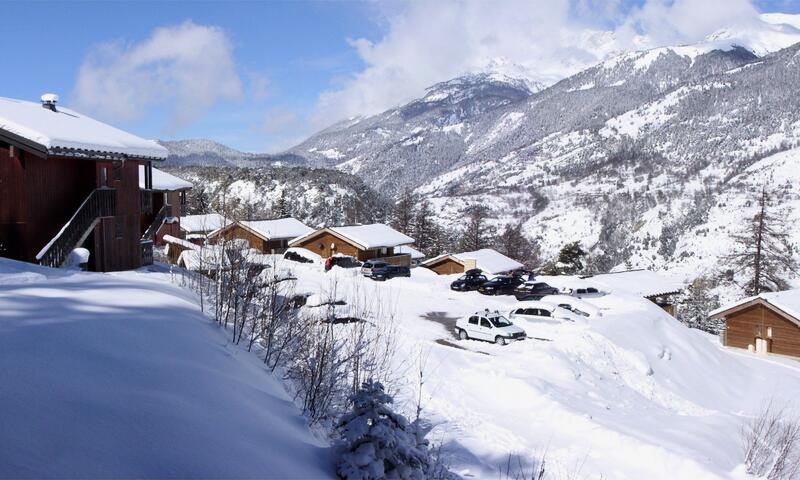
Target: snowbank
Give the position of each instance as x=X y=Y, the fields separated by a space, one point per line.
x=111 y=376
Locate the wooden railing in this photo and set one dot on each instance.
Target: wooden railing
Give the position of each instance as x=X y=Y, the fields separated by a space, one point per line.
x=100 y=203
x=403 y=260
x=146 y=201
x=150 y=233
x=146 y=247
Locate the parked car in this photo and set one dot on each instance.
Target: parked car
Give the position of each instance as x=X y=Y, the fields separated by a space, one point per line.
x=534 y=291
x=541 y=312
x=296 y=257
x=341 y=261
x=489 y=326
x=471 y=280
x=327 y=310
x=574 y=304
x=500 y=286
x=380 y=270
x=588 y=292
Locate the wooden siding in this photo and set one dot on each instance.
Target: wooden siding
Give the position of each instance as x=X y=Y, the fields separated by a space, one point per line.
x=326 y=244
x=446 y=266
x=116 y=239
x=743 y=326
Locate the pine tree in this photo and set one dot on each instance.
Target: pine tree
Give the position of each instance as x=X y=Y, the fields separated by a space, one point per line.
x=198 y=201
x=763 y=252
x=478 y=233
x=570 y=260
x=695 y=303
x=403 y=216
x=513 y=243
x=280 y=209
x=379 y=443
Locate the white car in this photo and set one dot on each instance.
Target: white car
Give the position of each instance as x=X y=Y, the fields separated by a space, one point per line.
x=574 y=305
x=541 y=312
x=489 y=326
x=581 y=292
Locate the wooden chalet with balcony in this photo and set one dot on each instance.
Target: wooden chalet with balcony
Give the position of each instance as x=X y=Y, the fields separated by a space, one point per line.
x=364 y=242
x=69 y=181
x=266 y=236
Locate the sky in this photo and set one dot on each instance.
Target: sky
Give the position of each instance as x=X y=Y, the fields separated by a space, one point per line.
x=262 y=76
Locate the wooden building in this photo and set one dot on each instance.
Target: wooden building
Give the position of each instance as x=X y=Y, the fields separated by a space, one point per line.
x=69 y=181
x=363 y=242
x=197 y=228
x=176 y=246
x=661 y=289
x=767 y=323
x=162 y=205
x=266 y=236
x=488 y=260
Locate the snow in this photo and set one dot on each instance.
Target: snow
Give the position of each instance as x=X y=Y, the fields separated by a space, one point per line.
x=121 y=376
x=164 y=181
x=202 y=223
x=640 y=282
x=787 y=301
x=331 y=154
x=375 y=235
x=488 y=260
x=179 y=241
x=283 y=228
x=68 y=129
x=407 y=249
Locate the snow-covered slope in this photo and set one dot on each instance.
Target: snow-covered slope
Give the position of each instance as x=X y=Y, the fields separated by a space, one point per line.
x=206 y=152
x=631 y=394
x=122 y=376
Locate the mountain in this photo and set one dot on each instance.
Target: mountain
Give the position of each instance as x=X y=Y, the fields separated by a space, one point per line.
x=631 y=156
x=210 y=153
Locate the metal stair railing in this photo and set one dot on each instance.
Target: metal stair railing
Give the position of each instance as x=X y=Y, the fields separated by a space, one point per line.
x=102 y=202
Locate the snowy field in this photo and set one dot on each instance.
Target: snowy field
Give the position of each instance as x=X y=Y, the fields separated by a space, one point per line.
x=122 y=375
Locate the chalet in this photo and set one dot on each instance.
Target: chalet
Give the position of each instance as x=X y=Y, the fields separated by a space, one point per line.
x=660 y=289
x=416 y=256
x=767 y=323
x=176 y=246
x=488 y=260
x=69 y=181
x=266 y=236
x=162 y=205
x=363 y=242
x=197 y=228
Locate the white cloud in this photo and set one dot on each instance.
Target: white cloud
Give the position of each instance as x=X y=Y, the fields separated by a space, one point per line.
x=182 y=69
x=428 y=42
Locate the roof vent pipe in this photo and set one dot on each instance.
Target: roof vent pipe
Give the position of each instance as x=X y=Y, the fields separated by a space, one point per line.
x=49 y=101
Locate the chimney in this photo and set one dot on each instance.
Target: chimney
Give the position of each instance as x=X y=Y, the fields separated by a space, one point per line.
x=49 y=101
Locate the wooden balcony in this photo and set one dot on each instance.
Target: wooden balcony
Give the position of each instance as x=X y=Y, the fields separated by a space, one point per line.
x=146 y=201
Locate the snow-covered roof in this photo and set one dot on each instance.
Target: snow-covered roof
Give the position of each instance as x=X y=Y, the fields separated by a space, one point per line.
x=490 y=261
x=164 y=181
x=210 y=257
x=181 y=242
x=63 y=132
x=409 y=250
x=787 y=301
x=486 y=259
x=367 y=237
x=282 y=228
x=203 y=223
x=641 y=282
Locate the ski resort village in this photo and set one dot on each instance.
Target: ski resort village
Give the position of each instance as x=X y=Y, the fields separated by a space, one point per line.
x=560 y=241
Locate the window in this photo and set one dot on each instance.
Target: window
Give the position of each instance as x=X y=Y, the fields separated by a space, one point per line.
x=117 y=171
x=384 y=251
x=530 y=311
x=485 y=323
x=544 y=313
x=591 y=290
x=473 y=320
x=183 y=198
x=103 y=176
x=769 y=332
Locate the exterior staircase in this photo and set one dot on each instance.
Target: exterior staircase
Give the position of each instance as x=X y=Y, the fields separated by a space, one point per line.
x=102 y=202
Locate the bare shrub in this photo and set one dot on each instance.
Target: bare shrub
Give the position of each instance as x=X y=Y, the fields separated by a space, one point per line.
x=771 y=444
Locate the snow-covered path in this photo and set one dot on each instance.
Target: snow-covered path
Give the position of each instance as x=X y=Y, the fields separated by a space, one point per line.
x=121 y=375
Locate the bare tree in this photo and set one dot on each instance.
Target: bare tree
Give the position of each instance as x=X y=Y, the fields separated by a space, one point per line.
x=771 y=444
x=513 y=243
x=763 y=254
x=403 y=213
x=478 y=232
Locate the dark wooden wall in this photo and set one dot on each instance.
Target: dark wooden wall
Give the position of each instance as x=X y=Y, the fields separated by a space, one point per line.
x=37 y=197
x=446 y=266
x=117 y=239
x=742 y=329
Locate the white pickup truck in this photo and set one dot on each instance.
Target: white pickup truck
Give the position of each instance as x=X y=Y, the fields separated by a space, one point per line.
x=489 y=326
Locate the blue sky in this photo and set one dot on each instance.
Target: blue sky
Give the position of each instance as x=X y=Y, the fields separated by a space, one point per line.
x=294 y=66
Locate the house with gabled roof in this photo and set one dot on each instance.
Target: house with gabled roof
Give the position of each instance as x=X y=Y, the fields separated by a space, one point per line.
x=364 y=242
x=660 y=288
x=266 y=236
x=197 y=228
x=488 y=260
x=68 y=181
x=162 y=204
x=765 y=323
